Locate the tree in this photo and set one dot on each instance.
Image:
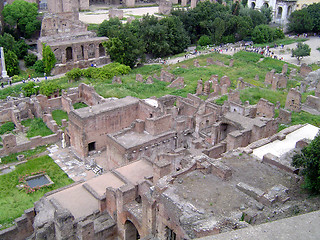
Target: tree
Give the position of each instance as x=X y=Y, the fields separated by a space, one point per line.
x=309 y=160
x=48 y=88
x=267 y=12
x=12 y=63
x=301 y=51
x=204 y=40
x=74 y=74
x=38 y=66
x=22 y=16
x=262 y=34
x=314 y=11
x=29 y=89
x=30 y=60
x=48 y=58
x=20 y=48
x=300 y=21
x=244 y=3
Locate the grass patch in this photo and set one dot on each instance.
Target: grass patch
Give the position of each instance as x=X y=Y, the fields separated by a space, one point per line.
x=220 y=101
x=13 y=201
x=79 y=105
x=247 y=56
x=58 y=115
x=253 y=95
x=93 y=27
x=27 y=154
x=284 y=41
x=304 y=117
x=6 y=128
x=36 y=127
x=270 y=63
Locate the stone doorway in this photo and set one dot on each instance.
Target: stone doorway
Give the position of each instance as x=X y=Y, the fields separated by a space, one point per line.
x=131 y=232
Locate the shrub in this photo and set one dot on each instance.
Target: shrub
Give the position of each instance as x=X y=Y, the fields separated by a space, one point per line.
x=49 y=88
x=30 y=60
x=39 y=66
x=204 y=40
x=29 y=89
x=309 y=159
x=6 y=127
x=74 y=74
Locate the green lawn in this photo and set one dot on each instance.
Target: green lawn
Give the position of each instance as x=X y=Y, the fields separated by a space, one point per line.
x=58 y=115
x=36 y=127
x=13 y=201
x=79 y=105
x=27 y=154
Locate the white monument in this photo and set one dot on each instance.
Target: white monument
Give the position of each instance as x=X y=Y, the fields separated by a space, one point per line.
x=3 y=64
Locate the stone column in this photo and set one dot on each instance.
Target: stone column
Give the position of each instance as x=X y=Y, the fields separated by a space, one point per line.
x=75 y=53
x=97 y=50
x=63 y=56
x=3 y=65
x=85 y=52
x=193 y=3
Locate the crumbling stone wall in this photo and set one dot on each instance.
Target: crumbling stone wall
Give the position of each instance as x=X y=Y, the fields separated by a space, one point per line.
x=293 y=101
x=265 y=108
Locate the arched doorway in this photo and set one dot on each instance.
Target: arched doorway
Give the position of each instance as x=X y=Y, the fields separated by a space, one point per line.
x=69 y=54
x=266 y=5
x=253 y=5
x=279 y=13
x=130 y=231
x=289 y=11
x=102 y=51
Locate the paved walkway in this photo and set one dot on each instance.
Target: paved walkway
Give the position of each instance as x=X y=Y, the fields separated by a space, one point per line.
x=302 y=227
x=279 y=148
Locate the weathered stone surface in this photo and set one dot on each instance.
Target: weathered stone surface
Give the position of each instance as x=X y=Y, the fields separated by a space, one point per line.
x=293 y=101
x=206 y=88
x=269 y=77
x=149 y=80
x=225 y=80
x=199 y=87
x=234 y=96
x=139 y=78
x=305 y=70
x=214 y=79
x=166 y=76
x=115 y=13
x=231 y=62
x=116 y=80
x=241 y=84
x=284 y=116
x=224 y=89
x=178 y=83
x=184 y=66
x=196 y=63
x=165 y=7
x=210 y=61
x=284 y=69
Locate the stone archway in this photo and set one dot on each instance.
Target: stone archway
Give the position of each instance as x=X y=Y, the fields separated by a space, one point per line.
x=253 y=5
x=130 y=231
x=266 y=5
x=279 y=13
x=289 y=11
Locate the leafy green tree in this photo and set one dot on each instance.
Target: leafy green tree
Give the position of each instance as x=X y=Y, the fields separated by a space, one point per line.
x=176 y=36
x=300 y=21
x=301 y=51
x=244 y=3
x=22 y=16
x=204 y=40
x=267 y=12
x=235 y=8
x=262 y=34
x=12 y=63
x=256 y=16
x=48 y=58
x=30 y=60
x=8 y=42
x=74 y=74
x=48 y=88
x=38 y=66
x=29 y=89
x=309 y=160
x=110 y=28
x=314 y=11
x=22 y=49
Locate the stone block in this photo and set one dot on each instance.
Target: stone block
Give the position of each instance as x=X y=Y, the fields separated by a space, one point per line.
x=196 y=63
x=284 y=116
x=166 y=76
x=199 y=87
x=225 y=80
x=116 y=80
x=305 y=70
x=178 y=83
x=253 y=192
x=221 y=170
x=165 y=7
x=139 y=78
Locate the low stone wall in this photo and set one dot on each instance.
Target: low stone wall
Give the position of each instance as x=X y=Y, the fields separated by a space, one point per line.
x=23 y=227
x=10 y=145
